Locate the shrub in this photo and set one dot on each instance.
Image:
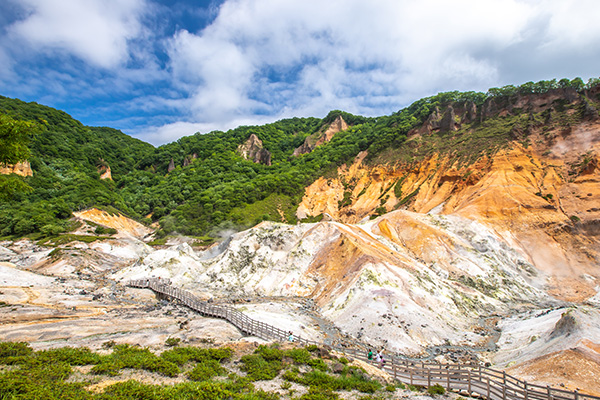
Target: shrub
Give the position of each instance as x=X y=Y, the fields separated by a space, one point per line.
x=69 y=355
x=206 y=370
x=172 y=342
x=12 y=352
x=318 y=363
x=300 y=356
x=125 y=356
x=258 y=368
x=436 y=389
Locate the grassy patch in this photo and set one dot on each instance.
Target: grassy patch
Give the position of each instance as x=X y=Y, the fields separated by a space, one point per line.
x=45 y=374
x=271 y=208
x=68 y=238
x=125 y=356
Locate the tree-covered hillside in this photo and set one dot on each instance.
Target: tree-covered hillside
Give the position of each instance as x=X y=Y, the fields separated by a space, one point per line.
x=212 y=187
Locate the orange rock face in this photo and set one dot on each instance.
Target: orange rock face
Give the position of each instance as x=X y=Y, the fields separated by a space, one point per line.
x=21 y=168
x=543 y=199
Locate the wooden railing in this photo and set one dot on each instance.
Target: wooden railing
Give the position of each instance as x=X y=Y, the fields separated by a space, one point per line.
x=469 y=378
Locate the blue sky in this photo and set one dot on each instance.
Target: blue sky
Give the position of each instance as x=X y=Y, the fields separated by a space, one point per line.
x=159 y=70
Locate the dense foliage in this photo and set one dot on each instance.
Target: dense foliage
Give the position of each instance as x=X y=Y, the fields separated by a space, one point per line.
x=212 y=188
x=56 y=373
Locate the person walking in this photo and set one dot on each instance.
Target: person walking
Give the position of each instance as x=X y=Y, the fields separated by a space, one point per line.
x=291 y=336
x=370 y=355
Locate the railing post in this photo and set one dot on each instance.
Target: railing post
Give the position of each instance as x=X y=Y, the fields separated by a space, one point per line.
x=411 y=376
x=469 y=380
x=527 y=390
x=576 y=394
x=549 y=392
x=447 y=378
x=488 y=388
x=428 y=377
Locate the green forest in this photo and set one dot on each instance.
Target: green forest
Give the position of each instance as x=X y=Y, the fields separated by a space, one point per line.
x=212 y=188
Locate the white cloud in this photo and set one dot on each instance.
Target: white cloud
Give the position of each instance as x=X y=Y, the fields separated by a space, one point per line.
x=311 y=56
x=96 y=31
x=261 y=60
x=167 y=133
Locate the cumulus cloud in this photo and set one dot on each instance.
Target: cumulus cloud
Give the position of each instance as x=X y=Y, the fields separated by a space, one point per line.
x=96 y=31
x=170 y=132
x=255 y=61
x=270 y=57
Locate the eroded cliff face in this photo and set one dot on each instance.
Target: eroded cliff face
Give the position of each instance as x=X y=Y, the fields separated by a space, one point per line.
x=541 y=195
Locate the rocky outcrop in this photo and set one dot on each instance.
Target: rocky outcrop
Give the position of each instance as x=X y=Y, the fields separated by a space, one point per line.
x=542 y=189
x=21 y=168
x=171 y=166
x=189 y=158
x=321 y=137
x=253 y=150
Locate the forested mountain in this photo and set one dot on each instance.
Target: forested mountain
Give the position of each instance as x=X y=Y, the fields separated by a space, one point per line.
x=200 y=184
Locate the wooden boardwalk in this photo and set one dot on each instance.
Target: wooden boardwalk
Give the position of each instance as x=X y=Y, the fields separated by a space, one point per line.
x=470 y=378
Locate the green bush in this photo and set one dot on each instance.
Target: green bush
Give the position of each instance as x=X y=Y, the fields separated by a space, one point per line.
x=206 y=370
x=69 y=355
x=300 y=356
x=436 y=389
x=172 y=342
x=312 y=348
x=258 y=368
x=181 y=355
x=12 y=352
x=318 y=363
x=125 y=356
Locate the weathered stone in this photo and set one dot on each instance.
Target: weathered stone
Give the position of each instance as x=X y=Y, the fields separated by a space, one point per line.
x=253 y=150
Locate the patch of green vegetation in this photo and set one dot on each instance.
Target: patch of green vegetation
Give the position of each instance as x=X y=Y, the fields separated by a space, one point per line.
x=206 y=370
x=264 y=364
x=270 y=208
x=68 y=238
x=158 y=241
x=203 y=241
x=351 y=378
x=398 y=187
x=436 y=389
x=312 y=219
x=103 y=230
x=410 y=196
x=125 y=356
x=172 y=342
x=346 y=201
